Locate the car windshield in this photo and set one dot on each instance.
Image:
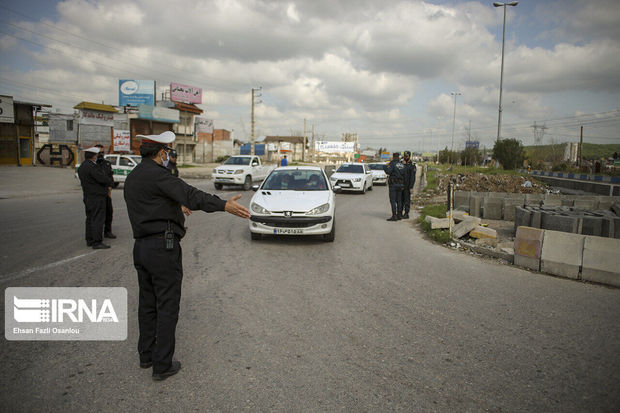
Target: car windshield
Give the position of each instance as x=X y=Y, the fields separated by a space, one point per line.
x=377 y=166
x=295 y=180
x=351 y=168
x=237 y=160
x=136 y=159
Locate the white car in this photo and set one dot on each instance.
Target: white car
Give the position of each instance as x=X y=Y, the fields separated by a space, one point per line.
x=353 y=177
x=377 y=171
x=294 y=200
x=240 y=170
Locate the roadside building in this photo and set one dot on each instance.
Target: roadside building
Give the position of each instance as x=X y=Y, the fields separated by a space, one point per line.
x=17 y=131
x=213 y=146
x=291 y=146
x=150 y=120
x=96 y=124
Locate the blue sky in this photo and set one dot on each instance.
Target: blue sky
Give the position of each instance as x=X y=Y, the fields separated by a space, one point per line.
x=384 y=70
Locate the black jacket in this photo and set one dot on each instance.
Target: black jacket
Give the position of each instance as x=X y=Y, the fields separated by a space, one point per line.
x=409 y=175
x=154 y=196
x=173 y=168
x=93 y=179
x=396 y=171
x=106 y=166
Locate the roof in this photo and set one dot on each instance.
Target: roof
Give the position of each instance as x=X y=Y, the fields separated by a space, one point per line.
x=292 y=139
x=43 y=105
x=95 y=106
x=188 y=107
x=308 y=167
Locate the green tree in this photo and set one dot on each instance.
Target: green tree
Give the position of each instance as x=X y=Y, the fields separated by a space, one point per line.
x=471 y=156
x=509 y=152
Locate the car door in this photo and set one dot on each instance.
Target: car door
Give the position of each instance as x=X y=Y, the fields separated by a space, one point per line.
x=125 y=165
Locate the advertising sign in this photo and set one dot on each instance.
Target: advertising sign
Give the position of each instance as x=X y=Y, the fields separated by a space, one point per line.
x=334 y=147
x=122 y=140
x=93 y=117
x=136 y=92
x=158 y=113
x=185 y=94
x=204 y=125
x=6 y=109
x=472 y=144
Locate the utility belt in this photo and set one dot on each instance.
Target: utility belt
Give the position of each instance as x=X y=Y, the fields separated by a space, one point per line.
x=167 y=236
x=396 y=181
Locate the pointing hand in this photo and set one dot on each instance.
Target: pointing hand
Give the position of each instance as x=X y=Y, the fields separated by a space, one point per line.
x=233 y=207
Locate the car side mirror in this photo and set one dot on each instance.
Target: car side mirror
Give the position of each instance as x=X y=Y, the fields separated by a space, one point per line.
x=255 y=188
x=337 y=189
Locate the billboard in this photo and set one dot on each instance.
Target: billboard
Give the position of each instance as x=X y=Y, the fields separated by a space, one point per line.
x=136 y=92
x=185 y=94
x=95 y=117
x=472 y=144
x=203 y=125
x=334 y=147
x=122 y=141
x=6 y=109
x=158 y=113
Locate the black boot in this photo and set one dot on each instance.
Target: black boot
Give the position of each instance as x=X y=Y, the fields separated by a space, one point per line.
x=398 y=217
x=392 y=218
x=406 y=215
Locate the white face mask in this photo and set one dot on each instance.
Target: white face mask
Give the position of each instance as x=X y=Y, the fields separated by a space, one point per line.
x=165 y=162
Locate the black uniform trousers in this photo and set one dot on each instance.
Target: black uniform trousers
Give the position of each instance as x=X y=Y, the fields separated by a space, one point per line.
x=406 y=201
x=109 y=212
x=160 y=273
x=95 y=217
x=396 y=198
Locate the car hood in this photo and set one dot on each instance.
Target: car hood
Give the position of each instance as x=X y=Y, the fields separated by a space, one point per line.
x=298 y=201
x=377 y=172
x=344 y=175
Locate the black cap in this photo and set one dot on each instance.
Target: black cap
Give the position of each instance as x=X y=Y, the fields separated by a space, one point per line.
x=395 y=154
x=407 y=153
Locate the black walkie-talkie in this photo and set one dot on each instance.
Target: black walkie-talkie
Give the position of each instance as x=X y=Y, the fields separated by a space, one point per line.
x=169 y=237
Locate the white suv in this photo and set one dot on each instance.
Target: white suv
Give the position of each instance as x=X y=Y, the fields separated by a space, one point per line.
x=353 y=177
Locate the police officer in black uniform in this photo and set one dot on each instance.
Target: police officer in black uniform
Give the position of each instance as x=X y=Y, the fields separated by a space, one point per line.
x=109 y=211
x=95 y=185
x=395 y=170
x=409 y=181
x=154 y=198
x=172 y=164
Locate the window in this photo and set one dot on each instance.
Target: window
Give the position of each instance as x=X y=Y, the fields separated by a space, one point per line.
x=69 y=124
x=295 y=180
x=350 y=168
x=125 y=162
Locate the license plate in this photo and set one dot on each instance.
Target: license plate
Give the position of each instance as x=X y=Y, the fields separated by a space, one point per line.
x=289 y=231
x=345 y=185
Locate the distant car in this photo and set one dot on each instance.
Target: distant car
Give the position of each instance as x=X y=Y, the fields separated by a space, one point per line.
x=353 y=177
x=240 y=170
x=378 y=173
x=294 y=200
x=121 y=166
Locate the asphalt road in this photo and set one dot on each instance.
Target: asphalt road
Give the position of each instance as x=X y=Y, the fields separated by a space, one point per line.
x=379 y=320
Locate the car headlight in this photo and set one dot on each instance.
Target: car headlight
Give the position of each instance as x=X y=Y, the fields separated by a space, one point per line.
x=319 y=210
x=258 y=209
x=238 y=171
x=332 y=178
x=357 y=180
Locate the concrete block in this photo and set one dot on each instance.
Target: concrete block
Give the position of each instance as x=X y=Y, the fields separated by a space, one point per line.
x=458 y=216
x=557 y=222
x=592 y=225
x=586 y=202
x=474 y=205
x=483 y=232
x=464 y=227
x=486 y=242
x=601 y=260
x=605 y=203
x=552 y=200
x=534 y=199
x=535 y=219
x=562 y=254
x=438 y=223
x=607 y=227
x=461 y=200
x=509 y=208
x=616 y=208
x=492 y=208
x=522 y=217
x=528 y=247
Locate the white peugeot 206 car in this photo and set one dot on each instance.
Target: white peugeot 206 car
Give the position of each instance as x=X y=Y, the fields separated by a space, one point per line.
x=294 y=200
x=353 y=177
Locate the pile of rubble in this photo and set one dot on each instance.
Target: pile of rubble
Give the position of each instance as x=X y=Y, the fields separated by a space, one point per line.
x=463 y=224
x=492 y=183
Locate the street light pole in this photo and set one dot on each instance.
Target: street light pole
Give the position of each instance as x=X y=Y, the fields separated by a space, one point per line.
x=455 y=94
x=501 y=78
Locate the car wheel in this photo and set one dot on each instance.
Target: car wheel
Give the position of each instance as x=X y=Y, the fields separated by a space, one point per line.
x=370 y=187
x=364 y=189
x=256 y=236
x=248 y=183
x=332 y=234
x=218 y=186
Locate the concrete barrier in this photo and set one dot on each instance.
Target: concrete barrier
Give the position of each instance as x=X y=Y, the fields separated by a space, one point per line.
x=475 y=201
x=492 y=208
x=562 y=254
x=522 y=217
x=465 y=226
x=601 y=260
x=556 y=222
x=461 y=200
x=528 y=247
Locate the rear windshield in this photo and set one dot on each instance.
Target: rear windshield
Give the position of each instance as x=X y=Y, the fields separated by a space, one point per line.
x=377 y=166
x=237 y=160
x=351 y=168
x=295 y=180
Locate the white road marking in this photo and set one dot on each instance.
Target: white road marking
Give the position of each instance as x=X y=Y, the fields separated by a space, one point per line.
x=44 y=267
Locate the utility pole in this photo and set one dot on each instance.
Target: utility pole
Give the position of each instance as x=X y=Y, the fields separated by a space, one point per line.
x=303 y=150
x=501 y=76
x=312 y=149
x=254 y=90
x=581 y=147
x=455 y=94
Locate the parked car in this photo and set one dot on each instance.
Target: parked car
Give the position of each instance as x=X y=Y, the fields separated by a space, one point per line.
x=294 y=200
x=377 y=171
x=353 y=177
x=240 y=170
x=121 y=166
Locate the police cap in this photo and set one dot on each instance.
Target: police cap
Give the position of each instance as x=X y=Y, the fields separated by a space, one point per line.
x=396 y=155
x=407 y=153
x=93 y=149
